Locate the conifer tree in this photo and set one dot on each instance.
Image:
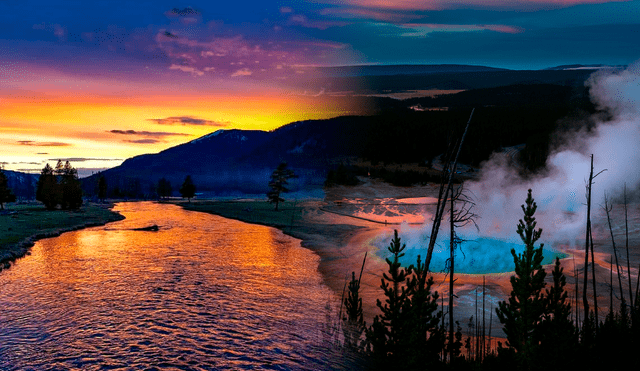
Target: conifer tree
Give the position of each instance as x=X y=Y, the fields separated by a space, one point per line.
x=384 y=336
x=164 y=188
x=6 y=195
x=70 y=187
x=522 y=314
x=188 y=189
x=102 y=188
x=407 y=333
x=47 y=189
x=278 y=183
x=353 y=323
x=558 y=336
x=422 y=337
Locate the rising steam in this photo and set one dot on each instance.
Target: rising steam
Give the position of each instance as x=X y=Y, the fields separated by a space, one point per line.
x=560 y=192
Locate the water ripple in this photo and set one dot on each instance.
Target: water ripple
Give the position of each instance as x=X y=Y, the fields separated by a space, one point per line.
x=203 y=293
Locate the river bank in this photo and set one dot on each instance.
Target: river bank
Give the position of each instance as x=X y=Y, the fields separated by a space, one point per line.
x=350 y=221
x=23 y=224
x=339 y=228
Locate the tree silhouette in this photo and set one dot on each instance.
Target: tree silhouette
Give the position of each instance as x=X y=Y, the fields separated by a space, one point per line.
x=558 y=336
x=406 y=334
x=353 y=323
x=164 y=188
x=278 y=183
x=6 y=195
x=102 y=188
x=522 y=314
x=46 y=191
x=70 y=187
x=188 y=190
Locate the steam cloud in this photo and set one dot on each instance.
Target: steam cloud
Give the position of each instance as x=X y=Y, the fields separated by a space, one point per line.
x=560 y=192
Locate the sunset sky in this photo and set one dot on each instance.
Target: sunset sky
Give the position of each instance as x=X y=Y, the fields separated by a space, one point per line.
x=97 y=82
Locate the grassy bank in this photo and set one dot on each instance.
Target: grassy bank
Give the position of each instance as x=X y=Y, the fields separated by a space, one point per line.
x=22 y=225
x=255 y=212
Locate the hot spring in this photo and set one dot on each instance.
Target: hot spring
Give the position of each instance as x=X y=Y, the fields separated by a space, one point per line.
x=481 y=255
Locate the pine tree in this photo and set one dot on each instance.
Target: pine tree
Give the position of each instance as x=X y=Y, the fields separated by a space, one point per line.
x=188 y=189
x=407 y=333
x=47 y=189
x=522 y=314
x=70 y=187
x=102 y=188
x=6 y=195
x=558 y=335
x=423 y=338
x=278 y=183
x=384 y=336
x=353 y=323
x=164 y=188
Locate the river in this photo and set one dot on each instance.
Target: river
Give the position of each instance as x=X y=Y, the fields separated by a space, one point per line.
x=202 y=293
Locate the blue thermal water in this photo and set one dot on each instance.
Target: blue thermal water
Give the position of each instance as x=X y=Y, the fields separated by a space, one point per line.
x=482 y=255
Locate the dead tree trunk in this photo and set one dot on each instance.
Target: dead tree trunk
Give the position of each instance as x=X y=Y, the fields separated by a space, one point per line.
x=585 y=301
x=442 y=197
x=451 y=271
x=626 y=231
x=611 y=287
x=593 y=280
x=608 y=208
x=483 y=349
x=589 y=243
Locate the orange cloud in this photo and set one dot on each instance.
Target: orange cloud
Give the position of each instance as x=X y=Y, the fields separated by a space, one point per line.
x=42 y=144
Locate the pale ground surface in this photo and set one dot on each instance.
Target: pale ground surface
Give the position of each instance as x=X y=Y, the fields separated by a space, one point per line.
x=368 y=206
x=343 y=227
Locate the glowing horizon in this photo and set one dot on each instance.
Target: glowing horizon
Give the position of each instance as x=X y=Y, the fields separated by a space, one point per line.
x=111 y=81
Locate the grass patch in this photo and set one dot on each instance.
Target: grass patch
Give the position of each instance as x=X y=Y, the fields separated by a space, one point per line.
x=24 y=223
x=256 y=212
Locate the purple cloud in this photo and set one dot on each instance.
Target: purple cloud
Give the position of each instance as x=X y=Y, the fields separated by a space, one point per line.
x=143 y=141
x=188 y=120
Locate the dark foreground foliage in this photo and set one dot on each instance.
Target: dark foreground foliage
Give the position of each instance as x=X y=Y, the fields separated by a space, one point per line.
x=537 y=319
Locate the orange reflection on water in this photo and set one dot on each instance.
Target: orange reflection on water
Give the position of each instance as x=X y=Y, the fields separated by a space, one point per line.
x=202 y=289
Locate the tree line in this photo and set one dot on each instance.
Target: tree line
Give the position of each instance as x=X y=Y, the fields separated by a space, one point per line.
x=59 y=186
x=162 y=189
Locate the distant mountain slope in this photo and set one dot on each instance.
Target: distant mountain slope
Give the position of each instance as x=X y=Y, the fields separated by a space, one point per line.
x=389 y=79
x=408 y=69
x=238 y=161
x=23 y=185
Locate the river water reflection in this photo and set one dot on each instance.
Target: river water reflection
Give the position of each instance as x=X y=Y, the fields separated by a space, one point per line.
x=204 y=292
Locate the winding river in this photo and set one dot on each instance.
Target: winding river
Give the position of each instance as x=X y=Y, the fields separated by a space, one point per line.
x=202 y=293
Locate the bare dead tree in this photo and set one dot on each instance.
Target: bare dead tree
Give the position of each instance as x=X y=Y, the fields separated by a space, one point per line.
x=458 y=218
x=490 y=324
x=484 y=295
x=611 y=286
x=638 y=282
x=477 y=329
x=588 y=239
x=626 y=230
x=607 y=209
x=575 y=276
x=593 y=279
x=449 y=171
